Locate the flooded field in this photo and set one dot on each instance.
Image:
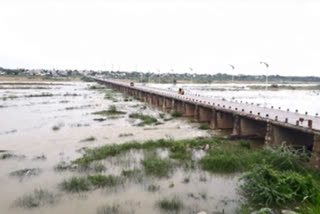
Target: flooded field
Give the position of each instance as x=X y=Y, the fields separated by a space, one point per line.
x=302 y=100
x=44 y=126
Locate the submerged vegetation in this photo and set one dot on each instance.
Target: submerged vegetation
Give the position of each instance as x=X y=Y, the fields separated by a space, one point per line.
x=112 y=110
x=146 y=119
x=38 y=198
x=282 y=182
x=174 y=204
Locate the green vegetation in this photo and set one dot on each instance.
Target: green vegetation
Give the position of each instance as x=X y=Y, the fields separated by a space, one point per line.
x=176 y=114
x=88 y=139
x=269 y=187
x=173 y=205
x=125 y=135
x=112 y=110
x=80 y=184
x=62 y=166
x=146 y=119
x=6 y=156
x=109 y=209
x=97 y=87
x=40 y=95
x=103 y=181
x=25 y=172
x=154 y=165
x=285 y=181
x=76 y=184
x=38 y=198
x=153 y=188
x=204 y=126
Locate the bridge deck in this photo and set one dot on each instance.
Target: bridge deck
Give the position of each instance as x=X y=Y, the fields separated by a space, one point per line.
x=240 y=108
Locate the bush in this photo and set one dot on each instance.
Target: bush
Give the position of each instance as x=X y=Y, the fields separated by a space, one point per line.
x=266 y=186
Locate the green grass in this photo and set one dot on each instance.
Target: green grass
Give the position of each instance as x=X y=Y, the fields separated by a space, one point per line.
x=76 y=184
x=176 y=114
x=38 y=198
x=109 y=209
x=266 y=186
x=146 y=119
x=204 y=126
x=104 y=181
x=156 y=166
x=112 y=110
x=171 y=205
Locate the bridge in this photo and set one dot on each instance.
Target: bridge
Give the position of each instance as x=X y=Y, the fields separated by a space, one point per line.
x=246 y=120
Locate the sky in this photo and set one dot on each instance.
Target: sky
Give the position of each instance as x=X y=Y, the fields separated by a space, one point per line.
x=201 y=36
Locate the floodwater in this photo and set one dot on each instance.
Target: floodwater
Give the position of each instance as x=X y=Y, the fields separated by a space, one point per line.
x=301 y=100
x=29 y=113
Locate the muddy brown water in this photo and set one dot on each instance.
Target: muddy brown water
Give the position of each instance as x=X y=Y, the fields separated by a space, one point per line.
x=26 y=130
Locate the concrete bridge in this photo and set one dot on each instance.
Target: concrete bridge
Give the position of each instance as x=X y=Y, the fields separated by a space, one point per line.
x=245 y=120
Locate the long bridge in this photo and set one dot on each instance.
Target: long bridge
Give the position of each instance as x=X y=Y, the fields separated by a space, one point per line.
x=246 y=120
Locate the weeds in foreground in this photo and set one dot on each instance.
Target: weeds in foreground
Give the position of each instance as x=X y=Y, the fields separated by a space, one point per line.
x=269 y=187
x=103 y=181
x=174 y=204
x=38 y=198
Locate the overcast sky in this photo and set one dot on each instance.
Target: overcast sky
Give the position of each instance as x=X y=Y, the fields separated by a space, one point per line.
x=205 y=35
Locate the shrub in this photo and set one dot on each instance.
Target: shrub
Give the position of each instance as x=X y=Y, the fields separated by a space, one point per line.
x=268 y=187
x=176 y=114
x=204 y=126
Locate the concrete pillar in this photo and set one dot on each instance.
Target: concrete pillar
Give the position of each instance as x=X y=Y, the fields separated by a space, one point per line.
x=189 y=109
x=196 y=114
x=236 y=129
x=213 y=119
x=268 y=138
x=315 y=156
x=204 y=114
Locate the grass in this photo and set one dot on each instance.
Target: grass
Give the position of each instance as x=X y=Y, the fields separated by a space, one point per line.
x=173 y=205
x=104 y=181
x=176 y=114
x=97 y=87
x=76 y=184
x=38 y=198
x=40 y=95
x=130 y=172
x=81 y=184
x=156 y=166
x=269 y=187
x=153 y=188
x=125 y=135
x=25 y=172
x=112 y=110
x=61 y=166
x=109 y=209
x=88 y=139
x=146 y=119
x=204 y=126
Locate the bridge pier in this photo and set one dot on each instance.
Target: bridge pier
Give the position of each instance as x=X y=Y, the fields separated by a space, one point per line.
x=248 y=128
x=189 y=110
x=221 y=120
x=276 y=135
x=315 y=156
x=179 y=106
